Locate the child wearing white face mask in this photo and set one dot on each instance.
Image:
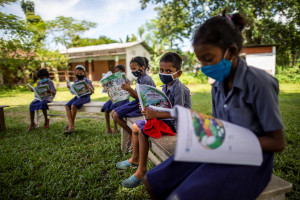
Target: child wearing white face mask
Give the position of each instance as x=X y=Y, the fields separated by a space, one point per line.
x=43 y=75
x=179 y=94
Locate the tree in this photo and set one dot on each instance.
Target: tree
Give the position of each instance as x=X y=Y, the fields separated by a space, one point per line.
x=77 y=41
x=64 y=29
x=259 y=12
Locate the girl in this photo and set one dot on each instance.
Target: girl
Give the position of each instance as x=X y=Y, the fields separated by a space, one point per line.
x=109 y=106
x=77 y=103
x=43 y=75
x=139 y=66
x=242 y=95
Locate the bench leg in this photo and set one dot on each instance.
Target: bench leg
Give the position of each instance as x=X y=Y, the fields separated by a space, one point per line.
x=2 y=120
x=36 y=116
x=124 y=139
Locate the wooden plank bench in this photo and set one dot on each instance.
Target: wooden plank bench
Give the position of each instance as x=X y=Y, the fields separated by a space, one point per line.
x=92 y=107
x=164 y=147
x=2 y=118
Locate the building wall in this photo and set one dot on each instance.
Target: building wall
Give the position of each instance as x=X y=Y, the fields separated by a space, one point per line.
x=137 y=50
x=262 y=57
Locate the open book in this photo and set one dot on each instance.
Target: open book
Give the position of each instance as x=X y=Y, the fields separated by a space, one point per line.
x=202 y=138
x=112 y=83
x=40 y=92
x=79 y=89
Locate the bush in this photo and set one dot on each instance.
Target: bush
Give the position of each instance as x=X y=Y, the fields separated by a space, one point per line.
x=287 y=74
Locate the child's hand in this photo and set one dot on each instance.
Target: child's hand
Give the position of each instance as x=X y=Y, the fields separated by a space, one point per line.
x=140 y=107
x=68 y=85
x=126 y=86
x=51 y=91
x=149 y=114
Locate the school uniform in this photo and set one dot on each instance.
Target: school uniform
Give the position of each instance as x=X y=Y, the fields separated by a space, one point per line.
x=178 y=94
x=78 y=102
x=109 y=106
x=252 y=103
x=131 y=109
x=37 y=104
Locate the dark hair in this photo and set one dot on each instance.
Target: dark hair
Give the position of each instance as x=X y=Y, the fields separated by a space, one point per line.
x=141 y=61
x=172 y=57
x=221 y=31
x=121 y=67
x=43 y=73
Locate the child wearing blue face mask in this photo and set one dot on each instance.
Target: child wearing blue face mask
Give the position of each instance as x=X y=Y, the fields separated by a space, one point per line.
x=76 y=103
x=43 y=75
x=139 y=66
x=242 y=95
x=178 y=94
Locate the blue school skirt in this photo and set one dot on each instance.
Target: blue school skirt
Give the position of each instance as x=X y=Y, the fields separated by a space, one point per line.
x=78 y=102
x=38 y=105
x=188 y=180
x=130 y=109
x=141 y=124
x=109 y=106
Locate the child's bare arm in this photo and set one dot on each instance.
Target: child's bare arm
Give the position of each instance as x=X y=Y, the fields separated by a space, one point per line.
x=91 y=89
x=131 y=91
x=149 y=114
x=273 y=141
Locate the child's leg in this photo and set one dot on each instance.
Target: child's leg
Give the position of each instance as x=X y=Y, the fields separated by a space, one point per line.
x=32 y=118
x=135 y=143
x=122 y=123
x=107 y=120
x=74 y=112
x=46 y=123
x=115 y=127
x=143 y=153
x=69 y=116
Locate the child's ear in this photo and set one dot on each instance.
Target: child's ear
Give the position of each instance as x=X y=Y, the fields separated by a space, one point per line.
x=179 y=73
x=232 y=52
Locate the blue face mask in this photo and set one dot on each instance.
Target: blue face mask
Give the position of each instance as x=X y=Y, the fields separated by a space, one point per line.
x=137 y=73
x=44 y=80
x=166 y=78
x=218 y=71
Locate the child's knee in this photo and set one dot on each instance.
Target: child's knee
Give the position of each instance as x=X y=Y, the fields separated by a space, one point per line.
x=115 y=116
x=135 y=129
x=73 y=107
x=67 y=107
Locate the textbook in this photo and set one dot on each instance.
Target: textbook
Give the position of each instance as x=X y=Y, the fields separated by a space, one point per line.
x=151 y=96
x=79 y=89
x=40 y=92
x=202 y=138
x=112 y=83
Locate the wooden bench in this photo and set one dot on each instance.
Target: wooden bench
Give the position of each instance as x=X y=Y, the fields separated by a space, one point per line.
x=2 y=118
x=164 y=147
x=92 y=107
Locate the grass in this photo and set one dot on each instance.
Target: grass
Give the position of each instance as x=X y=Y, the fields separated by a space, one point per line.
x=45 y=164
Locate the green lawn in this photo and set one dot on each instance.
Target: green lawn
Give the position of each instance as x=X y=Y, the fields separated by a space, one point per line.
x=45 y=164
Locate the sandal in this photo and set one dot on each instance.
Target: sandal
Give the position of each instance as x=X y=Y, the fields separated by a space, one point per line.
x=69 y=131
x=46 y=123
x=31 y=128
x=66 y=127
x=125 y=164
x=132 y=182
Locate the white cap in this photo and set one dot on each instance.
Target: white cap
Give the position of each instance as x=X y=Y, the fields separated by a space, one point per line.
x=80 y=67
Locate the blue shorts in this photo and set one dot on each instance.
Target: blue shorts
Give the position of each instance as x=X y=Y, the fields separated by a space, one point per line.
x=78 y=102
x=141 y=124
x=130 y=109
x=109 y=106
x=38 y=105
x=190 y=180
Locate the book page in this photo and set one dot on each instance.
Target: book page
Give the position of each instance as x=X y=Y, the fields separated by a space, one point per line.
x=43 y=91
x=202 y=138
x=81 y=89
x=71 y=89
x=36 y=95
x=113 y=84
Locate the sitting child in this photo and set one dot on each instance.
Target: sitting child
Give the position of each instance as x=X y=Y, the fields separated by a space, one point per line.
x=109 y=106
x=43 y=75
x=77 y=103
x=179 y=94
x=139 y=66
